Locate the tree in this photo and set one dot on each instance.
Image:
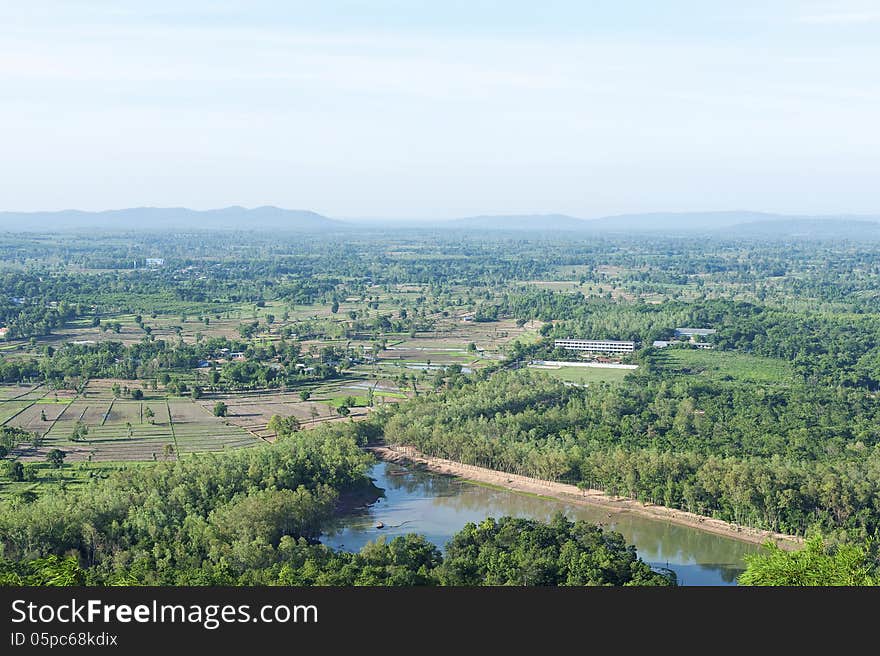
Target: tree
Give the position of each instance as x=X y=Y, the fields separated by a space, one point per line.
x=43 y=415
x=305 y=395
x=220 y=409
x=197 y=392
x=513 y=551
x=283 y=426
x=80 y=430
x=55 y=457
x=814 y=565
x=343 y=411
x=335 y=307
x=16 y=472
x=149 y=414
x=137 y=394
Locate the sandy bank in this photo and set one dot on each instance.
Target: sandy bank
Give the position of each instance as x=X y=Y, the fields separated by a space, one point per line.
x=572 y=494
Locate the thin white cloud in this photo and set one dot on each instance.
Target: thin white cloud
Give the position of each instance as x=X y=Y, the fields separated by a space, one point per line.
x=854 y=18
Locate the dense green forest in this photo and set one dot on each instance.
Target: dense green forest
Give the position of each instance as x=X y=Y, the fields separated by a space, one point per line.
x=504 y=552
x=817 y=564
x=193 y=519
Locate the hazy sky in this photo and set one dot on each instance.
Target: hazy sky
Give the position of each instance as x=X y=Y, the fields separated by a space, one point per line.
x=441 y=108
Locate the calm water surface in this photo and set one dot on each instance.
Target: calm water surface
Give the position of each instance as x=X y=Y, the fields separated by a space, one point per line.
x=438 y=506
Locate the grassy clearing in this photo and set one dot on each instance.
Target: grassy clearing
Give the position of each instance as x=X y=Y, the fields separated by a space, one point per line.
x=390 y=395
x=727 y=365
x=587 y=375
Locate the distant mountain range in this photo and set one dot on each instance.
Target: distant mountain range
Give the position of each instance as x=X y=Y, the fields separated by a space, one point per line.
x=731 y=223
x=170 y=218
x=680 y=221
x=865 y=229
x=518 y=222
x=668 y=222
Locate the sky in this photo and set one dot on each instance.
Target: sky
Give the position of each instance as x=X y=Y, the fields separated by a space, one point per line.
x=425 y=109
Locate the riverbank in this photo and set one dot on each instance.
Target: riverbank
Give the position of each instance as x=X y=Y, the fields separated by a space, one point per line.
x=573 y=494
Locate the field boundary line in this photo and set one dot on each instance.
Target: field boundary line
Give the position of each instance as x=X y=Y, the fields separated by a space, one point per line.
x=107 y=414
x=173 y=434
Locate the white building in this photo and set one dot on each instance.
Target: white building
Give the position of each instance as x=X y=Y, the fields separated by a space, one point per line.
x=595 y=345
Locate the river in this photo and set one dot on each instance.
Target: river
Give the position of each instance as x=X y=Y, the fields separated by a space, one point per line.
x=438 y=506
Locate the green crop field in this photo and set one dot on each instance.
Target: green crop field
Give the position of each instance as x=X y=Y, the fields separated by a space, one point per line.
x=726 y=365
x=587 y=375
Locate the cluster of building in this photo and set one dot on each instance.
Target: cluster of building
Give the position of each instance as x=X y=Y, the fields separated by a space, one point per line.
x=693 y=336
x=688 y=336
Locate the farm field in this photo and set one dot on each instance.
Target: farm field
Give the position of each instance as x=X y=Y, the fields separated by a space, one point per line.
x=251 y=412
x=726 y=365
x=122 y=430
x=586 y=375
x=9 y=392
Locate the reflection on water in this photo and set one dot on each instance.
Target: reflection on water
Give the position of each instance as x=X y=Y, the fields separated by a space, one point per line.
x=439 y=506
